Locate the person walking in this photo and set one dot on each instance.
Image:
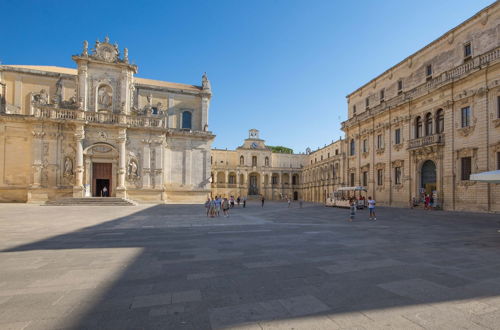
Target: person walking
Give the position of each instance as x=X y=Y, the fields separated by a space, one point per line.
x=218 y=202
x=105 y=191
x=427 y=201
x=238 y=200
x=225 y=207
x=371 y=207
x=213 y=212
x=244 y=201
x=352 y=210
x=232 y=201
x=207 y=206
x=289 y=202
x=262 y=200
x=300 y=203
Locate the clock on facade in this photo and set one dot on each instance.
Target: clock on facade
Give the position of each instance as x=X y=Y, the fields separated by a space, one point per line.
x=253 y=145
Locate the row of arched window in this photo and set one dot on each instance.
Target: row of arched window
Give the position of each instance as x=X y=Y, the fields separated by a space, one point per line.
x=325 y=173
x=429 y=124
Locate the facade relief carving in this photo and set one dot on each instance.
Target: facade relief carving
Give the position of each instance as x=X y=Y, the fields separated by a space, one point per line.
x=104 y=97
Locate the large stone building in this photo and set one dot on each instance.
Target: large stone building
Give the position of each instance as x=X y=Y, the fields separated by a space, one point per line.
x=324 y=172
x=254 y=170
x=427 y=123
x=71 y=132
x=422 y=126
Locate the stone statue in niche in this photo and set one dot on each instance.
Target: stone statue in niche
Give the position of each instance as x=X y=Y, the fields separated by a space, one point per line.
x=57 y=98
x=104 y=97
x=68 y=167
x=132 y=168
x=41 y=98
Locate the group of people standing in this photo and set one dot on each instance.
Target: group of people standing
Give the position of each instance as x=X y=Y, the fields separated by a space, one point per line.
x=216 y=204
x=353 y=204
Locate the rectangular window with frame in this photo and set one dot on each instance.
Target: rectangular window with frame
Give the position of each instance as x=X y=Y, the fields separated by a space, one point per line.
x=397 y=175
x=380 y=177
x=397 y=136
x=365 y=178
x=382 y=94
x=367 y=102
x=466 y=168
x=274 y=180
x=428 y=72
x=498 y=106
x=467 y=51
x=498 y=160
x=353 y=109
x=380 y=142
x=465 y=115
x=365 y=145
x=400 y=86
x=352 y=179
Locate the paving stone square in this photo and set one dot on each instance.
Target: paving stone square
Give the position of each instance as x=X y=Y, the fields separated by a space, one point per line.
x=171 y=267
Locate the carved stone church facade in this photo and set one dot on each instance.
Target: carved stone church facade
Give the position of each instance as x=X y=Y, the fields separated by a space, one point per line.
x=99 y=130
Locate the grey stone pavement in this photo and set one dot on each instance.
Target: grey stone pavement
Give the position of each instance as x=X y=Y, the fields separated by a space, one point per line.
x=170 y=267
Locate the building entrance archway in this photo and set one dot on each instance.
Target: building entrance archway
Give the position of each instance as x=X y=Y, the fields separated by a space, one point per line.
x=100 y=170
x=253 y=184
x=428 y=181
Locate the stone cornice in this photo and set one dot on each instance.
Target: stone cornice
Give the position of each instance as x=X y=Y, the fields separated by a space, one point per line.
x=445 y=78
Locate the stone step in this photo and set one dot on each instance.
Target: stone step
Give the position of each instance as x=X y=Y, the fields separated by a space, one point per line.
x=92 y=201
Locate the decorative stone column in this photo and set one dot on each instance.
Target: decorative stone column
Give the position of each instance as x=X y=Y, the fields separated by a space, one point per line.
x=37 y=157
x=146 y=164
x=158 y=162
x=122 y=139
x=78 y=190
x=36 y=193
x=83 y=87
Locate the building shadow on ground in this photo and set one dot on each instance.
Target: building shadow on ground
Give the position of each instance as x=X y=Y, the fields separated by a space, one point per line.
x=202 y=277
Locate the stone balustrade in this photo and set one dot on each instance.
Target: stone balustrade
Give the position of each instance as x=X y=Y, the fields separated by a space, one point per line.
x=438 y=81
x=426 y=141
x=47 y=112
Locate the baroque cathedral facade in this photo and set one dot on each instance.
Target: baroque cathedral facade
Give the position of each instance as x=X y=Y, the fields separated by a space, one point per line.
x=98 y=130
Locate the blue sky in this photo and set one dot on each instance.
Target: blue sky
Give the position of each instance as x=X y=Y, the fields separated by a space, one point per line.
x=281 y=66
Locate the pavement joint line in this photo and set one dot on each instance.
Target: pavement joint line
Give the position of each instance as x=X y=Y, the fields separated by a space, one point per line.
x=239 y=231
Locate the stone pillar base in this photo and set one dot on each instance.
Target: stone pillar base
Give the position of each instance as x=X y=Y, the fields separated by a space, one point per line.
x=121 y=192
x=37 y=196
x=78 y=192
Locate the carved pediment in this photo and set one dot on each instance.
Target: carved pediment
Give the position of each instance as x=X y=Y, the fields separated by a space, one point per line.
x=465 y=131
x=495 y=147
x=380 y=166
x=365 y=167
x=398 y=163
x=466 y=152
x=104 y=51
